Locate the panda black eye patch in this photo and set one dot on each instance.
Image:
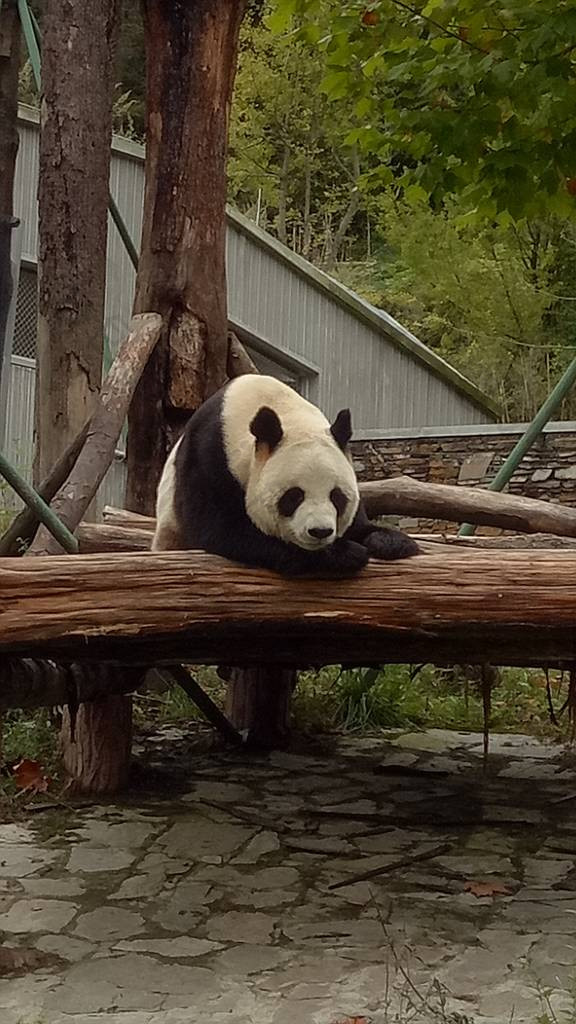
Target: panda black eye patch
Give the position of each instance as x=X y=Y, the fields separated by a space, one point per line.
x=339 y=500
x=290 y=501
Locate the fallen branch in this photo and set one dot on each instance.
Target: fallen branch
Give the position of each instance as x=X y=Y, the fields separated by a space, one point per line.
x=175 y=607
x=74 y=497
x=385 y=869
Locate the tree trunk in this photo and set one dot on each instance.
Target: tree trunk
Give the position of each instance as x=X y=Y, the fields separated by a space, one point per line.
x=76 y=120
x=307 y=229
x=258 y=704
x=191 y=58
x=350 y=212
x=9 y=63
x=191 y=63
x=281 y=226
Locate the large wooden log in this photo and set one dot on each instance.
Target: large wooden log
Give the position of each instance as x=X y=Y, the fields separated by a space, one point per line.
x=403 y=496
x=96 y=456
x=517 y=607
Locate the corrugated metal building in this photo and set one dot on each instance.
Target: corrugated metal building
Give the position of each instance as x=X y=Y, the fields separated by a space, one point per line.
x=297 y=323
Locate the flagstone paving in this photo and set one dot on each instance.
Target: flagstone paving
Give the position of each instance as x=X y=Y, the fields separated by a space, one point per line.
x=242 y=899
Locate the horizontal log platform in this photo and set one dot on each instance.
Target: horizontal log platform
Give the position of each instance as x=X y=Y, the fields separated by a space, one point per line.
x=510 y=607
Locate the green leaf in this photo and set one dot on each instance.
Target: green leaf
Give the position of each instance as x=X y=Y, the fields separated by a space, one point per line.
x=415 y=194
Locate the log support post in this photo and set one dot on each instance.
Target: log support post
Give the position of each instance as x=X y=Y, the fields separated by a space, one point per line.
x=258 y=704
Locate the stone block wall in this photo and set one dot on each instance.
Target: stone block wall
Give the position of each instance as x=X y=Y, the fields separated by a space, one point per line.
x=472 y=457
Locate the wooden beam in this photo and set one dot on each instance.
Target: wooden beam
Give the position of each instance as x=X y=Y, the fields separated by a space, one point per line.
x=101 y=537
x=514 y=607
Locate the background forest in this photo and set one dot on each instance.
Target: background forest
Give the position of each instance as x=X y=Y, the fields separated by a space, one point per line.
x=494 y=294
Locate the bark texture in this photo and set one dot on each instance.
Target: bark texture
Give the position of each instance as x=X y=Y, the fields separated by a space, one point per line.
x=403 y=496
x=96 y=745
x=191 y=63
x=9 y=62
x=76 y=121
x=77 y=82
x=191 y=607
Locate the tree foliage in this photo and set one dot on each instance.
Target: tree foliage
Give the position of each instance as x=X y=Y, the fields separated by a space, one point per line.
x=288 y=167
x=467 y=97
x=498 y=303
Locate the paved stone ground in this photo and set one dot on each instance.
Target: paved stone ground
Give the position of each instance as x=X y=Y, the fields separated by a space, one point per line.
x=215 y=905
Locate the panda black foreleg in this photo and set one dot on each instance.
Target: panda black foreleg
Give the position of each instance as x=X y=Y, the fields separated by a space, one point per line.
x=381 y=542
x=242 y=542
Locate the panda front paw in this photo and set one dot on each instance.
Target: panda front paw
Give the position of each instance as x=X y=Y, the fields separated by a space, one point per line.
x=345 y=558
x=389 y=545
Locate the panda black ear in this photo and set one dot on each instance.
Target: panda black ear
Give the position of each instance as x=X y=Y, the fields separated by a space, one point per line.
x=267 y=428
x=341 y=429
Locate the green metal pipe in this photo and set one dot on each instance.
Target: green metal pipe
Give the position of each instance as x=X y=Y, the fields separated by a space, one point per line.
x=532 y=432
x=32 y=36
x=123 y=231
x=42 y=511
x=31 y=40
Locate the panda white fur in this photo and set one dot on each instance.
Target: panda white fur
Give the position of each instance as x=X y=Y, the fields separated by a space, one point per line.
x=262 y=478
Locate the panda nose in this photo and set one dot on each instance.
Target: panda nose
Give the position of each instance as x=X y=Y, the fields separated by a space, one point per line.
x=321 y=532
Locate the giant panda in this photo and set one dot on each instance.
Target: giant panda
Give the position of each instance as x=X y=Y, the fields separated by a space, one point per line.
x=260 y=477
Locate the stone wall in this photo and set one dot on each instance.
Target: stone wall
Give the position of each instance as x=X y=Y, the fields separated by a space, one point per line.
x=472 y=456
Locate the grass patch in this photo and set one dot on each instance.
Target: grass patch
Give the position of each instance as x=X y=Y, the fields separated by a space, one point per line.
x=29 y=734
x=401 y=696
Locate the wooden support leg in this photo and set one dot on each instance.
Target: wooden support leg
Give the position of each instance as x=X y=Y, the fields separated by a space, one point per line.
x=258 y=704
x=97 y=755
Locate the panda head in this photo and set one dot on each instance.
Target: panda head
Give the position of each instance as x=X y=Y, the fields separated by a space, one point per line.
x=302 y=491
